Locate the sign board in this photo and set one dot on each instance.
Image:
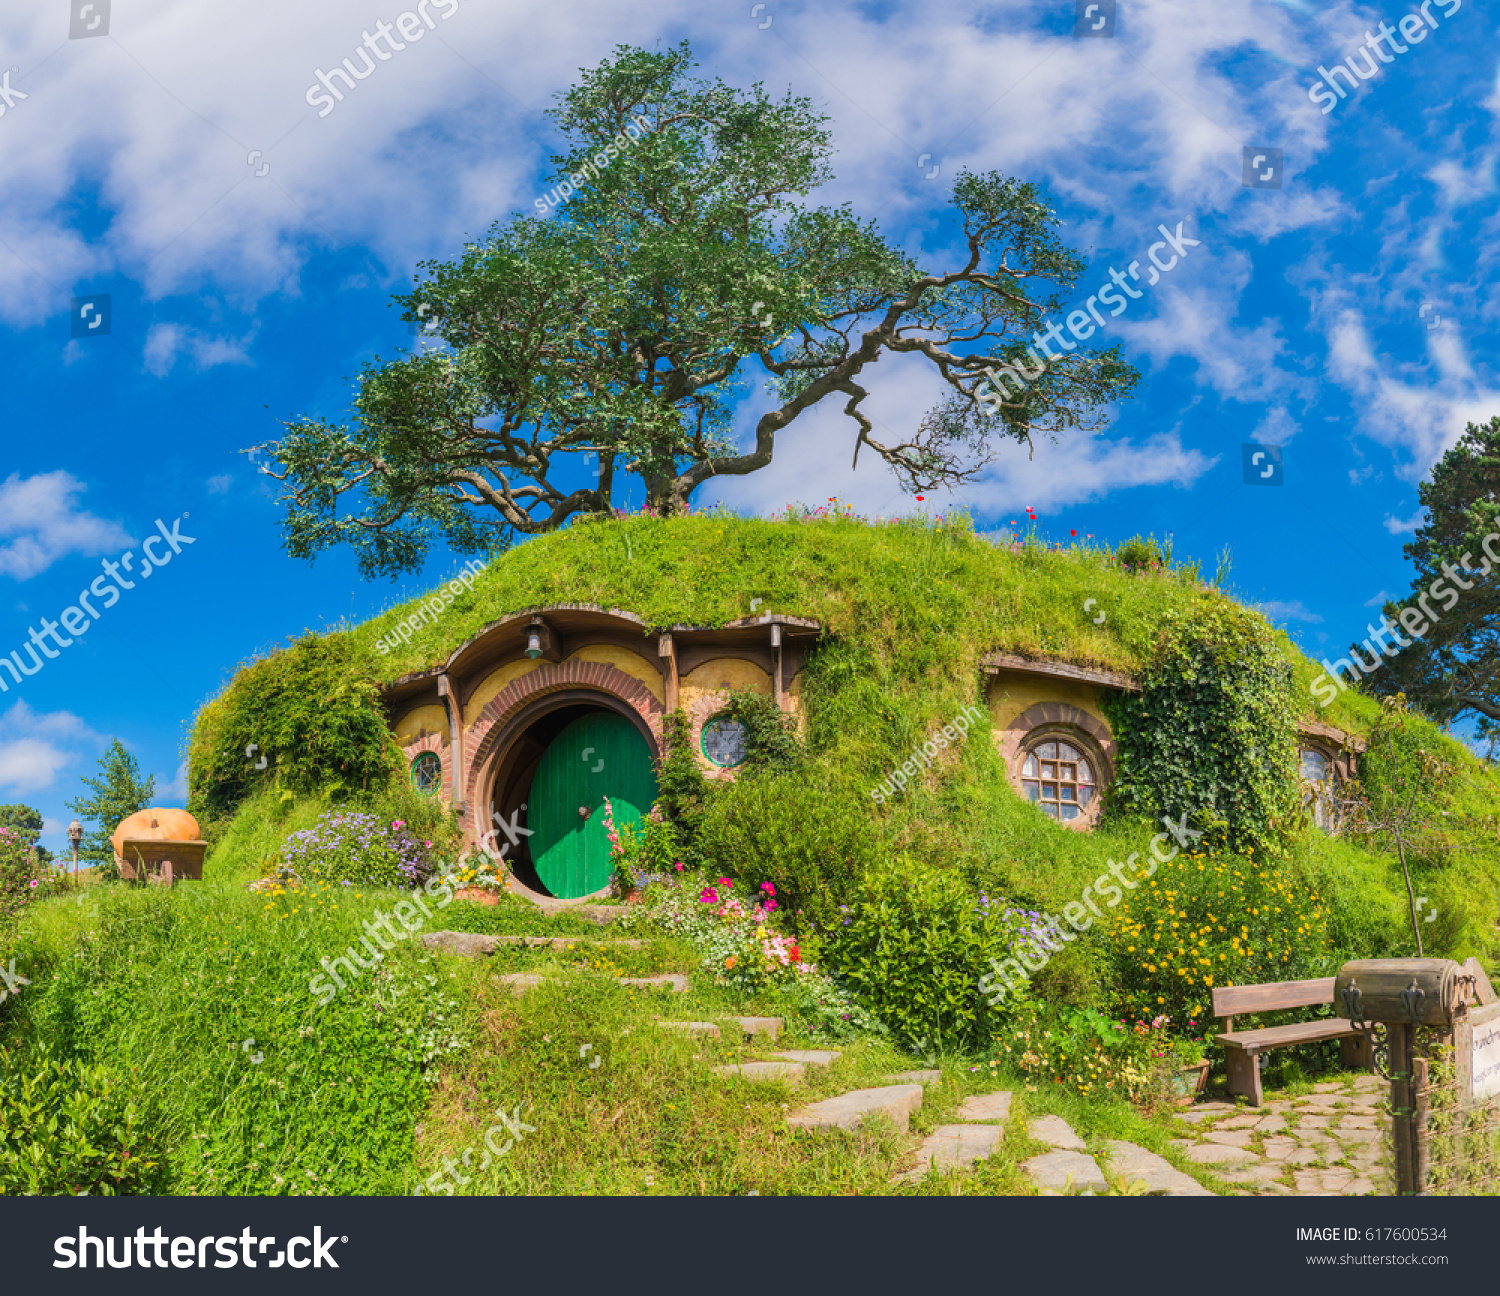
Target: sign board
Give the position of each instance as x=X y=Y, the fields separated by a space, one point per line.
x=1484 y=1067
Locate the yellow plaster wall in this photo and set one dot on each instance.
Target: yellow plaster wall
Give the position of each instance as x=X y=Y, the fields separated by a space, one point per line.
x=420 y=721
x=493 y=683
x=722 y=673
x=622 y=659
x=1009 y=695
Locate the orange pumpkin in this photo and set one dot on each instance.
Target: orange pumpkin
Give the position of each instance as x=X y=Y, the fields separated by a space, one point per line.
x=156 y=825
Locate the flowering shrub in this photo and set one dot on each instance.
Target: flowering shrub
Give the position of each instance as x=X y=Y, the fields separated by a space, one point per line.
x=20 y=874
x=1083 y=1050
x=353 y=846
x=736 y=937
x=642 y=852
x=1205 y=920
x=479 y=871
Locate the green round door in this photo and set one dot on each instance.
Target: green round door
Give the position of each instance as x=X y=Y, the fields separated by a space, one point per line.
x=597 y=756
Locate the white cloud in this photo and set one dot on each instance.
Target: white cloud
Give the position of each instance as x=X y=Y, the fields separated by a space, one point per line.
x=220 y=485
x=1397 y=527
x=174 y=790
x=41 y=521
x=1287 y=610
x=35 y=747
x=1378 y=600
x=166 y=342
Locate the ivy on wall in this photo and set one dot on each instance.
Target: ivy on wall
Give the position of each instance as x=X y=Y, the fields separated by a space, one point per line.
x=1213 y=732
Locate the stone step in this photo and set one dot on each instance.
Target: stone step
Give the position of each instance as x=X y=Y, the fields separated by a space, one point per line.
x=986 y=1107
x=790 y=1071
x=690 y=1027
x=848 y=1110
x=753 y=1026
x=915 y=1077
x=1157 y=1173
x=1056 y=1132
x=1065 y=1170
x=521 y=982
x=952 y=1147
x=811 y=1057
x=477 y=943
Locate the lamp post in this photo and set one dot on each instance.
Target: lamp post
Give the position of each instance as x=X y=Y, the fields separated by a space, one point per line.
x=75 y=835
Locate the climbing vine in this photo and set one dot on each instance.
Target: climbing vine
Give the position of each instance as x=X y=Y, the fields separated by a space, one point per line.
x=1213 y=729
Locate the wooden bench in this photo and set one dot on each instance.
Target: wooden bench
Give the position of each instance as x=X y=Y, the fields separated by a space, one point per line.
x=1242 y=1049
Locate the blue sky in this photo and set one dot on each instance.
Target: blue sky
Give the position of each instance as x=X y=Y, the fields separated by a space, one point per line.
x=249 y=248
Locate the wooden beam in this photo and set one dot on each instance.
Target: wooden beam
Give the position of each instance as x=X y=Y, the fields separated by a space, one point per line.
x=667 y=650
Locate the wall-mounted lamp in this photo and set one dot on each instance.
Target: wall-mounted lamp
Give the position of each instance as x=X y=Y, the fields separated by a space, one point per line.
x=534 y=642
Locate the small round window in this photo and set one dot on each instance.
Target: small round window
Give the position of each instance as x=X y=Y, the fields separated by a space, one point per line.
x=725 y=741
x=427 y=773
x=1059 y=778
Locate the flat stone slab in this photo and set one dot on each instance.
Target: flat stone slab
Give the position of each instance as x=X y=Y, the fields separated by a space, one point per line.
x=1270 y=1124
x=600 y=942
x=849 y=1110
x=473 y=944
x=811 y=1057
x=760 y=1026
x=676 y=980
x=1219 y=1154
x=1055 y=1131
x=791 y=1071
x=986 y=1107
x=1230 y=1138
x=1157 y=1173
x=691 y=1028
x=1369 y=1084
x=521 y=982
x=916 y=1077
x=951 y=1147
x=1064 y=1169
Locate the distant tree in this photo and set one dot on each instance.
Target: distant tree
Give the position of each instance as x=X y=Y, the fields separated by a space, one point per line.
x=117 y=794
x=1452 y=668
x=679 y=266
x=28 y=821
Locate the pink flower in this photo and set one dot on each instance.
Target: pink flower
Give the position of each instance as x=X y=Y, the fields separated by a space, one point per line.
x=33 y=881
x=400 y=823
x=769 y=905
x=725 y=882
x=709 y=896
x=680 y=866
x=768 y=888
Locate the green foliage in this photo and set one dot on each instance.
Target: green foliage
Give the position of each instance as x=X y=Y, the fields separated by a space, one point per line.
x=912 y=945
x=71 y=1129
x=312 y=711
x=771 y=741
x=356 y=846
x=1213 y=729
x=1142 y=553
x=812 y=842
x=1205 y=919
x=20 y=874
x=683 y=790
x=117 y=794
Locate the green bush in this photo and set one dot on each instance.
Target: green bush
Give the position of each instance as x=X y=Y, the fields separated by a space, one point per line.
x=70 y=1128
x=812 y=843
x=313 y=711
x=20 y=874
x=912 y=945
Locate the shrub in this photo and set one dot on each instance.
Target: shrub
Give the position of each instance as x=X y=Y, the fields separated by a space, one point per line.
x=813 y=844
x=20 y=874
x=1205 y=920
x=70 y=1128
x=913 y=944
x=354 y=846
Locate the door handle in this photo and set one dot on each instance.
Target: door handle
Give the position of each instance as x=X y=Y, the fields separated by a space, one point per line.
x=584 y=812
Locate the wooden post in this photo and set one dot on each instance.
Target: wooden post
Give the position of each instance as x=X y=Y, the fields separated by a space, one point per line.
x=1401 y=1106
x=1420 y=1146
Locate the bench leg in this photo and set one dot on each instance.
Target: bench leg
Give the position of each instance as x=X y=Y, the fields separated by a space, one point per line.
x=1244 y=1073
x=1355 y=1053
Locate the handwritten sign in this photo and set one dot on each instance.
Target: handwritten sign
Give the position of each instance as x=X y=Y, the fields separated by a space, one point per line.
x=1486 y=1060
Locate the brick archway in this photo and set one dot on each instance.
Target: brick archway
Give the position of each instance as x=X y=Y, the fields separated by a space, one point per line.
x=506 y=713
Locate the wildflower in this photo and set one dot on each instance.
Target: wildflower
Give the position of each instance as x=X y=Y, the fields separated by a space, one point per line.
x=725 y=882
x=709 y=896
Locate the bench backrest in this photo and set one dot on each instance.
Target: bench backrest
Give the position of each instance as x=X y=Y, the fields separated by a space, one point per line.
x=1230 y=1001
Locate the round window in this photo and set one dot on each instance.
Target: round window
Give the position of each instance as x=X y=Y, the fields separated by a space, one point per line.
x=1059 y=778
x=427 y=773
x=725 y=741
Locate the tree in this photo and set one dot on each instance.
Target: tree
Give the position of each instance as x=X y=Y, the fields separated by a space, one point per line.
x=29 y=822
x=1452 y=668
x=680 y=265
x=118 y=794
